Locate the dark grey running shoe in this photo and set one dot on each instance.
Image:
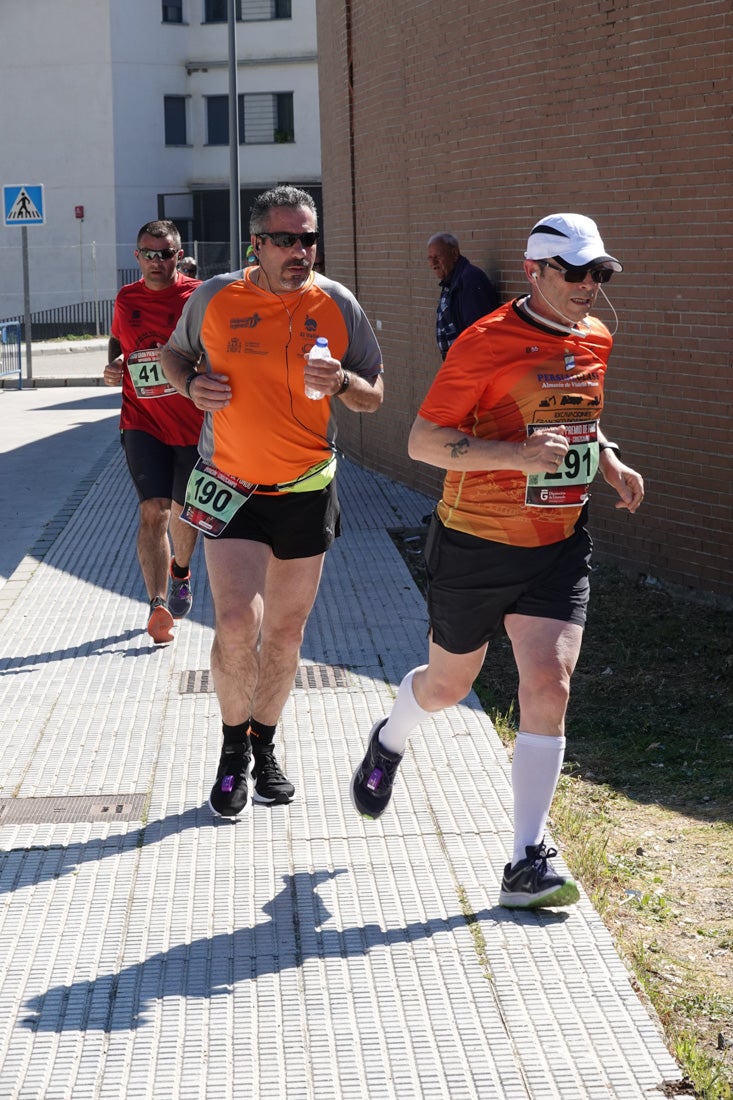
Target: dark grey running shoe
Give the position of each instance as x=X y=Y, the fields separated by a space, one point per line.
x=371 y=783
x=271 y=784
x=231 y=795
x=180 y=597
x=535 y=884
x=160 y=622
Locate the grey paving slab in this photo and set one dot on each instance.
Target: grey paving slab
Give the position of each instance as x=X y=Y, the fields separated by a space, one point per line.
x=302 y=952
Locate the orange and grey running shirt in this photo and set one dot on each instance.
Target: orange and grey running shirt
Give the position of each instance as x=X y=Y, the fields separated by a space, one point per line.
x=505 y=377
x=271 y=433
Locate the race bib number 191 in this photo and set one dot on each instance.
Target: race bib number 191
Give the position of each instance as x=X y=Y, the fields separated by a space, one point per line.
x=569 y=486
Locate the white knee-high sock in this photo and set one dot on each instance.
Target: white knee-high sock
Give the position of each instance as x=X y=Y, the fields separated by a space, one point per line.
x=406 y=714
x=535 y=771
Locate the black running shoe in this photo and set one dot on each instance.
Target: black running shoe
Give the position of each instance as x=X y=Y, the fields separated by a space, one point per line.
x=231 y=795
x=271 y=785
x=180 y=597
x=535 y=884
x=371 y=783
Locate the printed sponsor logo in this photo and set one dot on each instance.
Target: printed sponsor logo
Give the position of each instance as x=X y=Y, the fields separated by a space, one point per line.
x=245 y=322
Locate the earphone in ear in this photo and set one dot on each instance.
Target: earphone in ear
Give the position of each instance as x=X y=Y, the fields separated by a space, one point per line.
x=534 y=274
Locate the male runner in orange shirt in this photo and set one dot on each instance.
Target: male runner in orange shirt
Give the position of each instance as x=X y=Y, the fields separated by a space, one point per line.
x=264 y=491
x=513 y=416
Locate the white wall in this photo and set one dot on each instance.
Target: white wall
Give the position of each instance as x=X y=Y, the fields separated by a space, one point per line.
x=55 y=105
x=81 y=111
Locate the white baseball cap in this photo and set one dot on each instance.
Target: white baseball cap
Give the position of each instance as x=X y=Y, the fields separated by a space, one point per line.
x=572 y=238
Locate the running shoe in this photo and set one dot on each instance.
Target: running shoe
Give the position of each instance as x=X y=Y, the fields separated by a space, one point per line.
x=160 y=622
x=371 y=783
x=180 y=596
x=231 y=795
x=271 y=784
x=535 y=884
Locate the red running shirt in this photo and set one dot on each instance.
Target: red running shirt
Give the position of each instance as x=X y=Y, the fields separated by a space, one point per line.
x=143 y=319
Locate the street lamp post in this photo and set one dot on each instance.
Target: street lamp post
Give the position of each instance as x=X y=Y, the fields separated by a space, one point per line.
x=235 y=236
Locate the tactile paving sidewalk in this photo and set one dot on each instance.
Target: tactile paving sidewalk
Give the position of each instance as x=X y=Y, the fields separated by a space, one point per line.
x=148 y=950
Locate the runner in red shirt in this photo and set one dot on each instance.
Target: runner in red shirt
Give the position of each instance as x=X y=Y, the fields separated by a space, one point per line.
x=513 y=416
x=159 y=428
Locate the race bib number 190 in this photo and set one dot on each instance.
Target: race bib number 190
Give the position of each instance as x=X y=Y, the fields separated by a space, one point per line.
x=213 y=498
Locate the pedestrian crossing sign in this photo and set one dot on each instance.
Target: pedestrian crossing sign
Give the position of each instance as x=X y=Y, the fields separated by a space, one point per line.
x=23 y=204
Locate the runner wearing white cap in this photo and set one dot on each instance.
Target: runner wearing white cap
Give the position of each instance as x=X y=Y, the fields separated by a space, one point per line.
x=513 y=417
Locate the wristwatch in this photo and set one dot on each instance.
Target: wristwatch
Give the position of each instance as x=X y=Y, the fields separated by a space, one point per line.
x=189 y=380
x=610 y=447
x=344 y=384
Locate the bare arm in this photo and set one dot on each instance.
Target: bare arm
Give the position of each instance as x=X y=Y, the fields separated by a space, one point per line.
x=627 y=482
x=327 y=375
x=449 y=449
x=115 y=363
x=207 y=390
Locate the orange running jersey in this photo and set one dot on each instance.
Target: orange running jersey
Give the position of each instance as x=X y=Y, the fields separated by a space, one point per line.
x=503 y=378
x=271 y=433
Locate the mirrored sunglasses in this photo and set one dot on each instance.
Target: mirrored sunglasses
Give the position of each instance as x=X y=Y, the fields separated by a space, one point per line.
x=158 y=253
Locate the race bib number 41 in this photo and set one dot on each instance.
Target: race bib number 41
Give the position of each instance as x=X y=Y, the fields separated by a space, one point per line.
x=147 y=374
x=569 y=486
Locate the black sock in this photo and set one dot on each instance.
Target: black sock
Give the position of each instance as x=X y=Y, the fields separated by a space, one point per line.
x=178 y=570
x=234 y=735
x=263 y=735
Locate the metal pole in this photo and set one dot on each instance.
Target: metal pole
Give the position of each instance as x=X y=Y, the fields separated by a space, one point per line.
x=27 y=304
x=81 y=260
x=235 y=236
x=96 y=288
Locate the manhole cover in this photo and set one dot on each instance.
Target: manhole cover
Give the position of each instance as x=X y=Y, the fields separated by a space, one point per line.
x=49 y=810
x=307 y=678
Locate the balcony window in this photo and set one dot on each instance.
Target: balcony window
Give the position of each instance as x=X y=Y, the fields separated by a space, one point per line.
x=248 y=11
x=265 y=118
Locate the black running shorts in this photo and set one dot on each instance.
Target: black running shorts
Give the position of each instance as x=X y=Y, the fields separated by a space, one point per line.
x=156 y=468
x=474 y=583
x=294 y=525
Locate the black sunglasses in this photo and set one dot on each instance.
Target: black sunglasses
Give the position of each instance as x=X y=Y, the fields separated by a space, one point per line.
x=287 y=240
x=576 y=274
x=158 y=253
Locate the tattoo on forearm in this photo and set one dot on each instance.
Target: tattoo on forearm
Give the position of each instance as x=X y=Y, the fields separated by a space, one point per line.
x=458 y=447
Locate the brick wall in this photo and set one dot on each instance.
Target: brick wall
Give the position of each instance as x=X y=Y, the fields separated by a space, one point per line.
x=479 y=118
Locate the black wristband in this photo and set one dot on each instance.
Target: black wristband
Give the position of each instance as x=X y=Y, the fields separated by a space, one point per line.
x=610 y=447
x=189 y=380
x=346 y=382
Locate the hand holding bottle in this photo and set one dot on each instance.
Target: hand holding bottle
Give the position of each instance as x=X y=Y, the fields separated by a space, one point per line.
x=320 y=350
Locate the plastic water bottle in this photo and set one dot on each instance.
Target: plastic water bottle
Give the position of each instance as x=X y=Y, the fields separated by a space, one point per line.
x=320 y=350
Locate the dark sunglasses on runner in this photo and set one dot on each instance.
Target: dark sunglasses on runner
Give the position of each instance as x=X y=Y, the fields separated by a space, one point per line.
x=287 y=240
x=158 y=253
x=598 y=273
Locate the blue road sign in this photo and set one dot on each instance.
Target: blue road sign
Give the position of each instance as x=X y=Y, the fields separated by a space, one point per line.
x=23 y=204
